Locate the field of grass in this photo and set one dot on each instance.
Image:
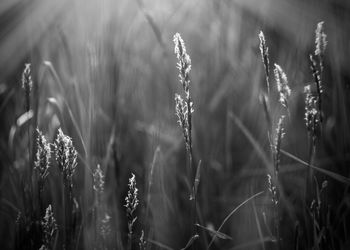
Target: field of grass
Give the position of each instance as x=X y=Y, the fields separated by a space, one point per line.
x=158 y=124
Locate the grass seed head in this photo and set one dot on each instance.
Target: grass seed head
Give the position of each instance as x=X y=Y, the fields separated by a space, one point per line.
x=312 y=113
x=66 y=156
x=49 y=228
x=264 y=50
x=183 y=64
x=184 y=108
x=181 y=110
x=131 y=202
x=99 y=180
x=282 y=85
x=278 y=142
x=316 y=74
x=105 y=226
x=320 y=40
x=272 y=190
x=279 y=132
x=42 y=157
x=142 y=243
x=27 y=83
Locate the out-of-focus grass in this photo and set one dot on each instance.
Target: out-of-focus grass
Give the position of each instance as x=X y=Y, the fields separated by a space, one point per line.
x=108 y=77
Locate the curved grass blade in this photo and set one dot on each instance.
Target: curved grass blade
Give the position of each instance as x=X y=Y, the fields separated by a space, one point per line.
x=260 y=233
x=232 y=212
x=48 y=66
x=190 y=242
x=217 y=233
x=21 y=121
x=266 y=161
x=331 y=174
x=59 y=112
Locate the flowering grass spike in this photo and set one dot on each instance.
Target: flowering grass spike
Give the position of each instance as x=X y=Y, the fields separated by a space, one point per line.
x=264 y=50
x=317 y=80
x=27 y=83
x=184 y=108
x=312 y=114
x=320 y=42
x=131 y=203
x=181 y=112
x=282 y=85
x=99 y=180
x=42 y=157
x=183 y=64
x=66 y=156
x=278 y=143
x=49 y=228
x=105 y=228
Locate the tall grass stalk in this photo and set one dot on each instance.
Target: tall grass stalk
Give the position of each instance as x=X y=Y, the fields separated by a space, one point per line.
x=275 y=143
x=184 y=110
x=265 y=100
x=131 y=203
x=313 y=100
x=41 y=164
x=314 y=119
x=66 y=157
x=313 y=123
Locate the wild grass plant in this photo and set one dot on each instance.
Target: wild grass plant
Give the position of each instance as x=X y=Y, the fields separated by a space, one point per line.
x=255 y=156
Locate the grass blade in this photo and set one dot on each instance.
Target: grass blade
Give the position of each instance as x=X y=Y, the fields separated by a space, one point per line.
x=232 y=212
x=190 y=242
x=196 y=181
x=21 y=121
x=331 y=174
x=217 y=233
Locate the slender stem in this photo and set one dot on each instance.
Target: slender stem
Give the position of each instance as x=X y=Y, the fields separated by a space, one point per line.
x=194 y=196
x=309 y=181
x=191 y=166
x=276 y=205
x=189 y=119
x=64 y=214
x=40 y=196
x=309 y=170
x=129 y=239
x=69 y=207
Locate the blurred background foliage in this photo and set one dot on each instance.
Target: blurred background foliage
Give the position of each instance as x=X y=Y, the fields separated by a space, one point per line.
x=106 y=73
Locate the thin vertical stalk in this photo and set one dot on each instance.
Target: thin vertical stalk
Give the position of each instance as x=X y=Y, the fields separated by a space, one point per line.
x=64 y=225
x=184 y=112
